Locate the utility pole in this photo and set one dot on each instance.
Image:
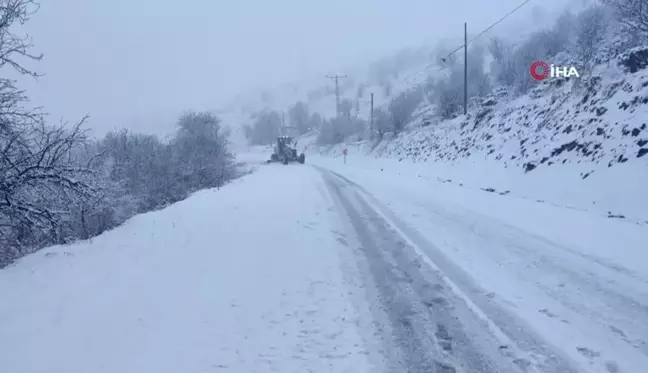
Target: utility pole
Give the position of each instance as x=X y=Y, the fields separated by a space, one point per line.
x=371 y=114
x=337 y=78
x=465 y=68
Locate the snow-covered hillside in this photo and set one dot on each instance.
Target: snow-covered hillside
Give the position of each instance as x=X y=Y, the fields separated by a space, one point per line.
x=386 y=78
x=582 y=145
x=597 y=119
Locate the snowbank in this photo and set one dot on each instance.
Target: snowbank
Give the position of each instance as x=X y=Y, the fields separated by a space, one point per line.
x=212 y=283
x=616 y=192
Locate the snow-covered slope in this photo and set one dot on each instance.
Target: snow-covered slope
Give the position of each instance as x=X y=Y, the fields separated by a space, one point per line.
x=582 y=145
x=600 y=119
x=386 y=77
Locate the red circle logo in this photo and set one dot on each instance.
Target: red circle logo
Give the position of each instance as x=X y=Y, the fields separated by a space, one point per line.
x=539 y=70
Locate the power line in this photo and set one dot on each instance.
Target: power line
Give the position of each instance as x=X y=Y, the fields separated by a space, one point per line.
x=488 y=28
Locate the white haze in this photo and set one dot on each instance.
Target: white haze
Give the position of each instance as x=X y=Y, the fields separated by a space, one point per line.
x=139 y=63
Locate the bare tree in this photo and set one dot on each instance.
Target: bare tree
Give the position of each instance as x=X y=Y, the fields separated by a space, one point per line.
x=298 y=115
x=12 y=45
x=591 y=30
x=57 y=186
x=402 y=107
x=631 y=13
x=478 y=80
x=552 y=42
x=565 y=23
x=497 y=49
x=382 y=122
x=265 y=128
x=315 y=121
x=334 y=131
x=39 y=175
x=346 y=107
x=503 y=65
x=447 y=92
x=39 y=172
x=448 y=96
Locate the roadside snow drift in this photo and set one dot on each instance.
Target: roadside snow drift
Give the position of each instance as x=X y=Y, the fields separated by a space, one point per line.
x=242 y=279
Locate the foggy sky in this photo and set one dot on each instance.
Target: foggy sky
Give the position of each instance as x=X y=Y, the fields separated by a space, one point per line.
x=138 y=63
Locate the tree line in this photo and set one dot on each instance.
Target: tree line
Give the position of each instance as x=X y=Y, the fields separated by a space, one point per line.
x=268 y=124
x=58 y=185
x=578 y=39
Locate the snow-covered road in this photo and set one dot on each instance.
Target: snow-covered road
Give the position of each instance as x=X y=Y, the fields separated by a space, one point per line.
x=333 y=268
x=426 y=323
x=576 y=280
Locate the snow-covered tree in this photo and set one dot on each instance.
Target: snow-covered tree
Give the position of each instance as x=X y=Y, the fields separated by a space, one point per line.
x=478 y=81
x=201 y=149
x=503 y=67
x=565 y=24
x=39 y=172
x=633 y=14
x=39 y=176
x=315 y=121
x=56 y=185
x=14 y=46
x=381 y=122
x=540 y=45
x=332 y=131
x=361 y=91
x=498 y=49
x=299 y=116
x=265 y=128
x=346 y=107
x=402 y=107
x=590 y=35
x=449 y=96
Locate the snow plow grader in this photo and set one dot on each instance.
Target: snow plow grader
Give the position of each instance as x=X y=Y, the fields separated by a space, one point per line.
x=285 y=151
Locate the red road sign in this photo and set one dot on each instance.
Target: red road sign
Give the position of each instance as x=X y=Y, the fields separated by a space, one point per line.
x=345 y=152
